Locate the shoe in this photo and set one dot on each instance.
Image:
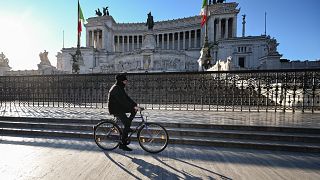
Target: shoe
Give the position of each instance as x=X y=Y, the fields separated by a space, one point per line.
x=124 y=147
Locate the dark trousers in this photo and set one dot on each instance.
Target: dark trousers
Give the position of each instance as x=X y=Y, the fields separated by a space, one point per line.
x=126 y=121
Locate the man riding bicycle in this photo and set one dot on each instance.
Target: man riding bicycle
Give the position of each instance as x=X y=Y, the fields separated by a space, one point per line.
x=119 y=103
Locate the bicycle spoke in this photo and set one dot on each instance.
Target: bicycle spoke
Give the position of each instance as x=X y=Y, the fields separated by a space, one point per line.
x=107 y=135
x=153 y=138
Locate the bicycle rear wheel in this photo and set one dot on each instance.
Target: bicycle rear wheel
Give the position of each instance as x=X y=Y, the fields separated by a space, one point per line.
x=153 y=137
x=107 y=135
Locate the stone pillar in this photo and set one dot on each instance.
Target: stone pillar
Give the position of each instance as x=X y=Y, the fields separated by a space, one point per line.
x=162 y=42
x=102 y=40
x=98 y=39
x=88 y=38
x=158 y=44
x=195 y=38
x=226 y=29
x=173 y=37
x=118 y=43
x=128 y=44
x=138 y=42
x=132 y=42
x=92 y=38
x=184 y=40
x=234 y=27
x=179 y=41
x=168 y=45
x=122 y=42
x=189 y=45
x=219 y=29
x=114 y=43
x=214 y=31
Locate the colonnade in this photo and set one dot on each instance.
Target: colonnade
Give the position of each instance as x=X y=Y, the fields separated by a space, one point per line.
x=219 y=28
x=167 y=41
x=224 y=28
x=96 y=39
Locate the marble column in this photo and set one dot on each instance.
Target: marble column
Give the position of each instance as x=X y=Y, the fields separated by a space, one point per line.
x=214 y=30
x=162 y=41
x=103 y=40
x=128 y=44
x=118 y=43
x=122 y=43
x=92 y=39
x=184 y=40
x=195 y=38
x=173 y=41
x=88 y=38
x=138 y=42
x=132 y=42
x=234 y=27
x=168 y=45
x=114 y=43
x=219 y=29
x=179 y=41
x=98 y=40
x=226 y=28
x=158 y=44
x=189 y=45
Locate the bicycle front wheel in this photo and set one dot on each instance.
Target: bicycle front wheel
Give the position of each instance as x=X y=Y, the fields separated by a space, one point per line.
x=153 y=137
x=107 y=135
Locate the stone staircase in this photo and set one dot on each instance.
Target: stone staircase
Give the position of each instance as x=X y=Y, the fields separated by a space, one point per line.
x=234 y=136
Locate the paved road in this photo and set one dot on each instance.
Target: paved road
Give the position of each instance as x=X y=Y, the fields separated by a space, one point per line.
x=41 y=158
x=287 y=119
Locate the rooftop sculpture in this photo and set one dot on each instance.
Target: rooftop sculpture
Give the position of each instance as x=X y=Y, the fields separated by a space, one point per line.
x=150 y=22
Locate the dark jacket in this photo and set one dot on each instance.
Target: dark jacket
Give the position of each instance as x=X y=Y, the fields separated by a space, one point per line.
x=118 y=100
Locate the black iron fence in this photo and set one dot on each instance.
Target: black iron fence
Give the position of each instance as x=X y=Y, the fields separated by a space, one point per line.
x=285 y=90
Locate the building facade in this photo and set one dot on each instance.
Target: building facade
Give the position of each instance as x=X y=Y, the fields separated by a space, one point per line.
x=172 y=45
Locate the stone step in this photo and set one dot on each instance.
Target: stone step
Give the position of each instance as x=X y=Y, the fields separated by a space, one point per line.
x=172 y=125
x=49 y=120
x=218 y=133
x=249 y=144
x=203 y=141
x=241 y=134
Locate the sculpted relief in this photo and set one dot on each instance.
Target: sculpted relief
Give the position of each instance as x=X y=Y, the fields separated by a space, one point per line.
x=145 y=63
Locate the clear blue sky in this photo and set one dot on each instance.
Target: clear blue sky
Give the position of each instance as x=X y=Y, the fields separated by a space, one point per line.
x=29 y=27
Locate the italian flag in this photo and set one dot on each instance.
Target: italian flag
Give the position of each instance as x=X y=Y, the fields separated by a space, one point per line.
x=80 y=19
x=203 y=12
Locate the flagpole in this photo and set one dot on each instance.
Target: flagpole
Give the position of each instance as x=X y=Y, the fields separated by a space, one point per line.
x=206 y=28
x=77 y=61
x=265 y=23
x=63 y=39
x=205 y=58
x=78 y=43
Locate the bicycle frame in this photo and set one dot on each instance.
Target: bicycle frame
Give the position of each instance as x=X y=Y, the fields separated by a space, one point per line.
x=142 y=123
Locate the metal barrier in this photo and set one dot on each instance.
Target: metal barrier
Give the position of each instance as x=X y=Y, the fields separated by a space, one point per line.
x=274 y=90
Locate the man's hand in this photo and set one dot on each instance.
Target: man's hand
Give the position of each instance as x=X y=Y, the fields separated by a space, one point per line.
x=136 y=108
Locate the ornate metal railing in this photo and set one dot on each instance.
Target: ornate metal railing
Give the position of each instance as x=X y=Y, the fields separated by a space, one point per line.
x=285 y=90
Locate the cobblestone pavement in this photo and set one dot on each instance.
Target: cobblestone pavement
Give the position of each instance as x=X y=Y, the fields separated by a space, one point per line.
x=287 y=119
x=56 y=158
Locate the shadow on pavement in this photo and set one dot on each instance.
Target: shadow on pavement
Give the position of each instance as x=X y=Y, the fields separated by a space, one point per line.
x=185 y=162
x=307 y=161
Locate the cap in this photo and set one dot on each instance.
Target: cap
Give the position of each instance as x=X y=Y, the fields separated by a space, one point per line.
x=121 y=77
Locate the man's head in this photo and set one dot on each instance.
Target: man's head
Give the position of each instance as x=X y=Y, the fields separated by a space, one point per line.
x=121 y=78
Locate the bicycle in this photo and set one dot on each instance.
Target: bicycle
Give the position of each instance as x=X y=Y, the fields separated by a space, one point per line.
x=152 y=137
